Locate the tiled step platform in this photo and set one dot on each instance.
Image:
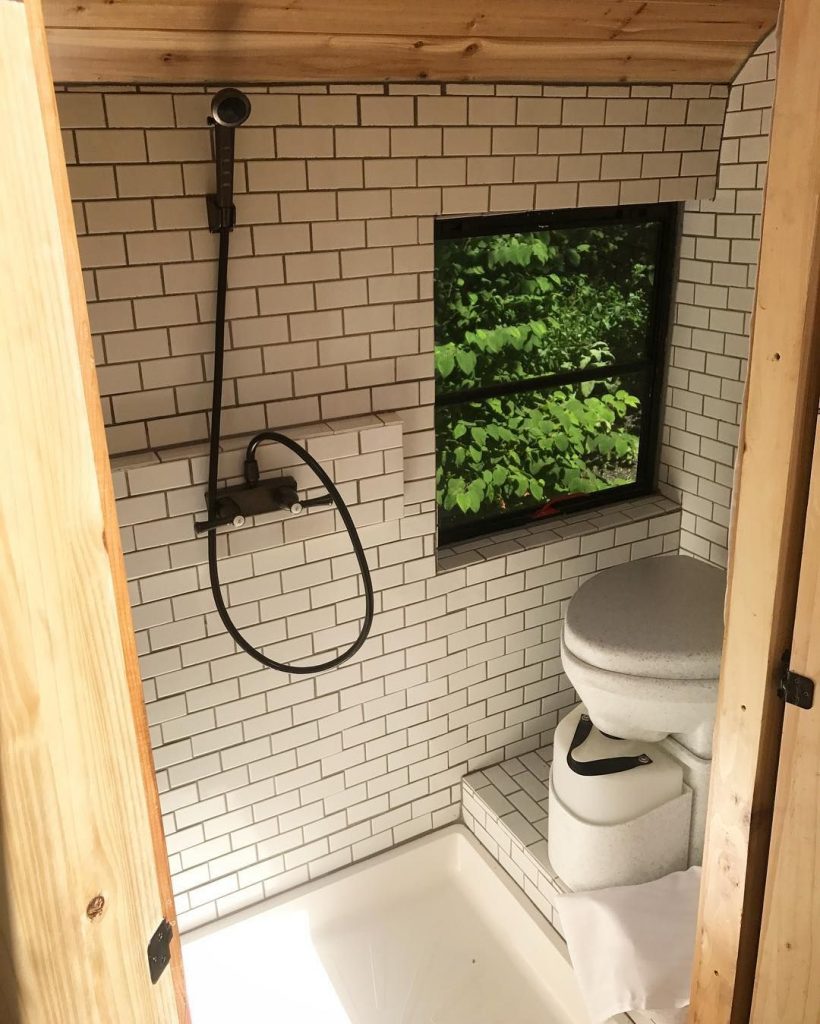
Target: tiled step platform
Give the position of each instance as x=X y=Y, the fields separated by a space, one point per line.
x=505 y=807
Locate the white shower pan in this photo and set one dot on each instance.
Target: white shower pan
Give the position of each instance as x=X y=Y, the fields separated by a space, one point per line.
x=432 y=932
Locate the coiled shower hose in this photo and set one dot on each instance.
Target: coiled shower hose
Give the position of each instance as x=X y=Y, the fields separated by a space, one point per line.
x=306 y=457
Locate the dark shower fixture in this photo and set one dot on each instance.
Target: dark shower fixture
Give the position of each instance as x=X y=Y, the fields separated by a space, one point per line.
x=232 y=505
x=230 y=108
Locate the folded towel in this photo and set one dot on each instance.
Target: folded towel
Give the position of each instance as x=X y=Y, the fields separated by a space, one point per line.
x=632 y=946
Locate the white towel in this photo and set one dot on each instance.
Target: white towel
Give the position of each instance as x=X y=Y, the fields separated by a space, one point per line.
x=632 y=946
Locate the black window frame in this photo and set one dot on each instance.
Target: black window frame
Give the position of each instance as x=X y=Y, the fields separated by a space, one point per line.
x=667 y=214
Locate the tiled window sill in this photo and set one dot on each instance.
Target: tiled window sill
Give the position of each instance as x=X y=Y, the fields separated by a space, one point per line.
x=619 y=527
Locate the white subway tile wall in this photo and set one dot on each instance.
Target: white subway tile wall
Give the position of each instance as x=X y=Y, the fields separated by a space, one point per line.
x=268 y=780
x=714 y=301
x=331 y=281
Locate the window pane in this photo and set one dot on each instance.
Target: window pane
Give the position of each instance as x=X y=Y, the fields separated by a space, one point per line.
x=518 y=452
x=513 y=307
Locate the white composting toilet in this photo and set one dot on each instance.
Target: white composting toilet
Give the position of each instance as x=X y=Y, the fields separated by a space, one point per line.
x=641 y=644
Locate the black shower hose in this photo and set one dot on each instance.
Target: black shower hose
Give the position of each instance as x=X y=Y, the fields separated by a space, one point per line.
x=306 y=457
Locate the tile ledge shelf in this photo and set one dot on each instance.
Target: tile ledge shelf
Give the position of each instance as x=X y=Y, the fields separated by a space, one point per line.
x=553 y=537
x=303 y=432
x=363 y=455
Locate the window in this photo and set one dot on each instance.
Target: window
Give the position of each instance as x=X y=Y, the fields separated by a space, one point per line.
x=549 y=358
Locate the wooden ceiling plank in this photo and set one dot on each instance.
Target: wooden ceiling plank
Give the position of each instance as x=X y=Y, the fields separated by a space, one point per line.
x=97 y=55
x=378 y=17
x=689 y=20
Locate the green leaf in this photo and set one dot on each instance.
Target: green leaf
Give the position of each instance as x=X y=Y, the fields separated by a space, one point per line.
x=466 y=361
x=445 y=360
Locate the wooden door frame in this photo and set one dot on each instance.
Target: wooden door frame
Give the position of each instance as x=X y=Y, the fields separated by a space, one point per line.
x=32 y=54
x=774 y=470
x=102 y=463
x=787 y=984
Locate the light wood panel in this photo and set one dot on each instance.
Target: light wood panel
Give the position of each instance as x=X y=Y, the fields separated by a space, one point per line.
x=170 y=56
x=771 y=495
x=787 y=986
x=75 y=817
x=575 y=19
x=102 y=463
x=463 y=40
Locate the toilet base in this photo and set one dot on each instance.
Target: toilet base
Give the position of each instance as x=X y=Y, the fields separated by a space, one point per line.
x=696 y=772
x=589 y=856
x=623 y=827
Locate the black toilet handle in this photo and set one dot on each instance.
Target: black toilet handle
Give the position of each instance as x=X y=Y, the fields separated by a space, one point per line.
x=604 y=765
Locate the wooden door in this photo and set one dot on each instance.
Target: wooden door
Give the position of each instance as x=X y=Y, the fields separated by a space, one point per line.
x=774 y=458
x=787 y=984
x=83 y=872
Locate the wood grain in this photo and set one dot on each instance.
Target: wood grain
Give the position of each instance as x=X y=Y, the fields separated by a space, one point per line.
x=75 y=817
x=787 y=985
x=462 y=40
x=771 y=496
x=111 y=537
x=525 y=19
x=106 y=55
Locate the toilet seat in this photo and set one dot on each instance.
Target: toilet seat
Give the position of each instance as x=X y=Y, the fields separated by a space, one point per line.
x=641 y=643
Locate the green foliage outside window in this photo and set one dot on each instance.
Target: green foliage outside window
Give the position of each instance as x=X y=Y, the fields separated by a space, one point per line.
x=515 y=309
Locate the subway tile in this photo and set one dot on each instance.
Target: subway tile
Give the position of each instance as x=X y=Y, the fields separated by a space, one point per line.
x=387 y=110
x=538 y=111
x=81 y=110
x=304 y=142
x=442 y=110
x=327 y=110
x=109 y=146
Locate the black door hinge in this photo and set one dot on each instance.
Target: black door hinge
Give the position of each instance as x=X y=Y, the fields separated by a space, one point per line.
x=794 y=688
x=159 y=951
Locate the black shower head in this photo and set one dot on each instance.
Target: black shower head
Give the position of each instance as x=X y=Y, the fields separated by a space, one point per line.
x=230 y=108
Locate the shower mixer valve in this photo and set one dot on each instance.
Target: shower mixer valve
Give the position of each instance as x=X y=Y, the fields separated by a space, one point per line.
x=233 y=505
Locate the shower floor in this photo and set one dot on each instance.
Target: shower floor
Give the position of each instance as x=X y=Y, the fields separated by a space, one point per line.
x=430 y=933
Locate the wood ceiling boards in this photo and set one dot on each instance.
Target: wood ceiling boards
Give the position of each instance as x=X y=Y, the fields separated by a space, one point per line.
x=249 y=41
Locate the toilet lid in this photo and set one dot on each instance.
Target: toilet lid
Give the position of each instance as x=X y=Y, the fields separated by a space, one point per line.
x=660 y=617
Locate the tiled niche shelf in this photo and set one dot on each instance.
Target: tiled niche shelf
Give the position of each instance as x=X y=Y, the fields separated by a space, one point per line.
x=363 y=455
